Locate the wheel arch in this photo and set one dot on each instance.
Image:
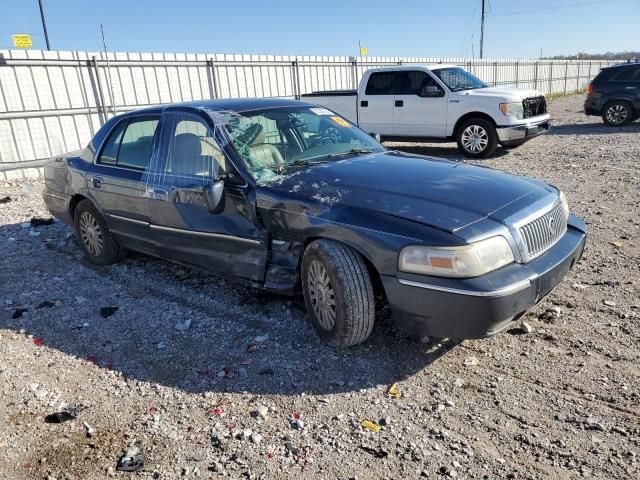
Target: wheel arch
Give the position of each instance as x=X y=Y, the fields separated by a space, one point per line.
x=469 y=116
x=73 y=203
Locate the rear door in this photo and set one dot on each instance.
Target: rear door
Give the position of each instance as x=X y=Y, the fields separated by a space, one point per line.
x=228 y=243
x=115 y=180
x=375 y=104
x=626 y=85
x=415 y=115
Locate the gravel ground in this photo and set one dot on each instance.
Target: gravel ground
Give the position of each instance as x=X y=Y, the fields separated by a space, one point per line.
x=215 y=379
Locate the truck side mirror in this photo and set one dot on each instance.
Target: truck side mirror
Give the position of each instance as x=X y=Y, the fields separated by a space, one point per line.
x=214 y=196
x=431 y=91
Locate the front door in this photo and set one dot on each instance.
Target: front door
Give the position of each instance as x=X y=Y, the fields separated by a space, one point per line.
x=419 y=116
x=375 y=105
x=189 y=158
x=115 y=180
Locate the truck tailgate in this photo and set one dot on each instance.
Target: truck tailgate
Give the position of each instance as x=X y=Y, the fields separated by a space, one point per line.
x=343 y=102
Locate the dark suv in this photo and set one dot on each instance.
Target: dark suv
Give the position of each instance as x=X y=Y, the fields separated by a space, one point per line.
x=615 y=94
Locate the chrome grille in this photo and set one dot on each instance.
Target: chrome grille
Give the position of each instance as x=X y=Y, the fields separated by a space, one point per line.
x=542 y=233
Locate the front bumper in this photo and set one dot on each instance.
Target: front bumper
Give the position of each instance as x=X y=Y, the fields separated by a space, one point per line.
x=481 y=306
x=516 y=134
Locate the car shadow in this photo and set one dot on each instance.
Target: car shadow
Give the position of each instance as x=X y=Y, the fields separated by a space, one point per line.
x=158 y=322
x=593 y=129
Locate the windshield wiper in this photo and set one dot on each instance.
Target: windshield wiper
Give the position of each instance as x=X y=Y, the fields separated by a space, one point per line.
x=304 y=161
x=353 y=151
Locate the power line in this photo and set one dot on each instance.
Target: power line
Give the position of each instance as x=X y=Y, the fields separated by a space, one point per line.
x=557 y=7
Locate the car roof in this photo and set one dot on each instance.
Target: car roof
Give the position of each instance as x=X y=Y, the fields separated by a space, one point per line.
x=237 y=105
x=431 y=66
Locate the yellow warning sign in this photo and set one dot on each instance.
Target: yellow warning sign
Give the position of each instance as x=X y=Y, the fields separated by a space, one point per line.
x=363 y=51
x=22 y=41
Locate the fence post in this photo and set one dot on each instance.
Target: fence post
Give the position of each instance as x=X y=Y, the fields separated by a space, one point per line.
x=495 y=72
x=354 y=73
x=517 y=74
x=535 y=77
x=550 y=78
x=296 y=79
x=578 y=76
x=566 y=72
x=102 y=110
x=211 y=73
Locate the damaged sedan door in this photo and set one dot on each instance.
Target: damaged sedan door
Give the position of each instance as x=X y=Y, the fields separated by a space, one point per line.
x=202 y=212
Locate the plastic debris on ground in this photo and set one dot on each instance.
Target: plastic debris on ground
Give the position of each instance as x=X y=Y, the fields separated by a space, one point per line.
x=393 y=391
x=369 y=425
x=132 y=460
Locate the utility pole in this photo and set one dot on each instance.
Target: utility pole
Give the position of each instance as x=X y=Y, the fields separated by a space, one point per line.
x=482 y=29
x=44 y=25
x=106 y=56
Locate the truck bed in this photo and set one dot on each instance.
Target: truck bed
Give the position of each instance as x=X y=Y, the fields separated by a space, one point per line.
x=343 y=102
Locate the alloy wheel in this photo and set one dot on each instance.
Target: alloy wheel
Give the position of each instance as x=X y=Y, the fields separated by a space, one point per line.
x=91 y=234
x=617 y=114
x=322 y=295
x=474 y=139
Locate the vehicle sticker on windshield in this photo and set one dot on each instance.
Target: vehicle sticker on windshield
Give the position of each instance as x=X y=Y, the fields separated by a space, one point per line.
x=341 y=121
x=321 y=111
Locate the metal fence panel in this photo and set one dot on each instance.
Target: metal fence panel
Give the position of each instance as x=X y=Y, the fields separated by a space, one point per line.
x=52 y=102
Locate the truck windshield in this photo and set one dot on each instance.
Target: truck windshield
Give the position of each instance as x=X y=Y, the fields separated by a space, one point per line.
x=457 y=79
x=272 y=142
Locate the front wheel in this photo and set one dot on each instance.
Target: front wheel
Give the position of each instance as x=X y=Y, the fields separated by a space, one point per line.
x=338 y=293
x=477 y=138
x=617 y=114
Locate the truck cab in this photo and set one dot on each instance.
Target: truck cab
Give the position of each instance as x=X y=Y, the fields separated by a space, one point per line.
x=443 y=102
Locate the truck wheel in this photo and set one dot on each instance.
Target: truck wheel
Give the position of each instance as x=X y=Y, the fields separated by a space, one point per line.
x=477 y=138
x=338 y=293
x=97 y=243
x=618 y=113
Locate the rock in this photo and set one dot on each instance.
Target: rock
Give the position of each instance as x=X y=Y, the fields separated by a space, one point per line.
x=385 y=422
x=256 y=438
x=471 y=361
x=246 y=434
x=578 y=286
x=525 y=327
x=183 y=326
x=609 y=303
x=161 y=345
x=89 y=430
x=262 y=411
x=261 y=338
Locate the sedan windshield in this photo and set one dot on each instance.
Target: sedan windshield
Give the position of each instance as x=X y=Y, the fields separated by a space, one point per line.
x=273 y=142
x=457 y=79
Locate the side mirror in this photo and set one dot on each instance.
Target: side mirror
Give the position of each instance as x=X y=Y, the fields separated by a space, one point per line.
x=214 y=196
x=375 y=135
x=431 y=92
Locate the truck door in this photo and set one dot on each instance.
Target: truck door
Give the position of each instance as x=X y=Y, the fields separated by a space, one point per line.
x=375 y=104
x=420 y=106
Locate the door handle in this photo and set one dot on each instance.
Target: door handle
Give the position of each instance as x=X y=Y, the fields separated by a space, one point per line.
x=97 y=182
x=399 y=103
x=364 y=103
x=630 y=88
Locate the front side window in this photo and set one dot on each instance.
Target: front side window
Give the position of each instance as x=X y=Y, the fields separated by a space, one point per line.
x=414 y=81
x=458 y=79
x=308 y=135
x=131 y=143
x=193 y=150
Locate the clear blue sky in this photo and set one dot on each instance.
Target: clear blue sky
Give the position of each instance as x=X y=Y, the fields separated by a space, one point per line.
x=329 y=27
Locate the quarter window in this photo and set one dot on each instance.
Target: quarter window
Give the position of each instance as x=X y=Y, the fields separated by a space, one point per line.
x=627 y=75
x=130 y=144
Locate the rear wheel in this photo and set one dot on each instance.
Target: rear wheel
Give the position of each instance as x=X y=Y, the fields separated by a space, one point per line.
x=617 y=113
x=338 y=293
x=94 y=236
x=477 y=138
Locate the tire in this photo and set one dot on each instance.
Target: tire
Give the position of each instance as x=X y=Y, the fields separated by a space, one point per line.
x=93 y=234
x=338 y=293
x=477 y=138
x=617 y=113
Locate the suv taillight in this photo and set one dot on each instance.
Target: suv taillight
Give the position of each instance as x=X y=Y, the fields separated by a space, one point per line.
x=590 y=89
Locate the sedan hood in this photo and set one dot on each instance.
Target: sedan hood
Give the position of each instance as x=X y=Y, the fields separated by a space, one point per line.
x=438 y=193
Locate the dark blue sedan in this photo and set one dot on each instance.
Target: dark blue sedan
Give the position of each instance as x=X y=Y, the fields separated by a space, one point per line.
x=291 y=198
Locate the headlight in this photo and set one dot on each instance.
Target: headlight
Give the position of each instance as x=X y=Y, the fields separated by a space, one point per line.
x=465 y=261
x=565 y=204
x=515 y=109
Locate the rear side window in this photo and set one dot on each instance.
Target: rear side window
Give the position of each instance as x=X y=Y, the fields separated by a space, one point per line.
x=381 y=83
x=130 y=144
x=626 y=75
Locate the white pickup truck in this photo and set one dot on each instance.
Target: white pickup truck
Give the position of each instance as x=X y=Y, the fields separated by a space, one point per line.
x=407 y=103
